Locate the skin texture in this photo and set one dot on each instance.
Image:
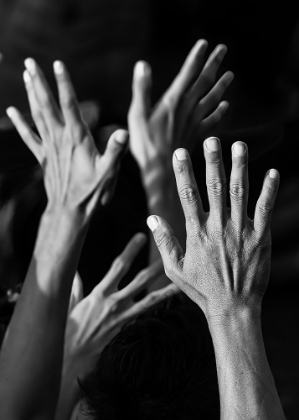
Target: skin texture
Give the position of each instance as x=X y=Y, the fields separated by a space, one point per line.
x=92 y=322
x=225 y=270
x=75 y=177
x=189 y=109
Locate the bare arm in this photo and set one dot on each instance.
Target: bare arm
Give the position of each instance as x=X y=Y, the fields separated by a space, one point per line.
x=225 y=270
x=75 y=176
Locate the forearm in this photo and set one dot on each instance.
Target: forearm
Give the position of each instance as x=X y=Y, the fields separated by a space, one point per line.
x=31 y=356
x=246 y=385
x=69 y=393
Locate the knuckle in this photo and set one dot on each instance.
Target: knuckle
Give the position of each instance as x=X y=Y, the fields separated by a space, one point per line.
x=188 y=193
x=68 y=101
x=216 y=187
x=238 y=191
x=162 y=240
x=264 y=206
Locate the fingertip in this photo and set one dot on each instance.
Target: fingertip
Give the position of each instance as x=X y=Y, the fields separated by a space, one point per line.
x=274 y=174
x=26 y=77
x=58 y=67
x=239 y=148
x=142 y=69
x=212 y=144
x=152 y=222
x=11 y=111
x=181 y=154
x=121 y=136
x=223 y=107
x=30 y=65
x=140 y=238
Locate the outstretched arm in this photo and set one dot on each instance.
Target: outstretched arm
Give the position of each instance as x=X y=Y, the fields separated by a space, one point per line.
x=225 y=270
x=191 y=107
x=95 y=320
x=75 y=176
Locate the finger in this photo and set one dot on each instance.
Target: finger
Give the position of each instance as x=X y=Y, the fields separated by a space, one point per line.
x=188 y=191
x=151 y=299
x=208 y=123
x=168 y=246
x=207 y=77
x=265 y=203
x=116 y=148
x=211 y=101
x=121 y=265
x=45 y=99
x=142 y=279
x=67 y=97
x=239 y=184
x=76 y=293
x=215 y=180
x=109 y=192
x=142 y=85
x=34 y=107
x=32 y=141
x=188 y=73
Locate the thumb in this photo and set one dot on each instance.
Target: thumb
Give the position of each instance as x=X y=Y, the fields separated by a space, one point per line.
x=171 y=252
x=142 y=86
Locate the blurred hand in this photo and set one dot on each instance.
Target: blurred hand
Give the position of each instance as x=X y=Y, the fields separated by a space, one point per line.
x=95 y=320
x=227 y=262
x=188 y=110
x=75 y=174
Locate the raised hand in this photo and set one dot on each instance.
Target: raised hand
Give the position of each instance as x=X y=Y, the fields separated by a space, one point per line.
x=225 y=270
x=188 y=110
x=75 y=174
x=227 y=261
x=95 y=320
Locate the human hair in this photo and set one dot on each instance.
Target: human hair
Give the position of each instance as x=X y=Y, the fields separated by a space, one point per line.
x=161 y=365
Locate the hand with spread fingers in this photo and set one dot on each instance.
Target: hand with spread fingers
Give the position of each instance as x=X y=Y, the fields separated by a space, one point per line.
x=75 y=175
x=96 y=319
x=225 y=270
x=188 y=110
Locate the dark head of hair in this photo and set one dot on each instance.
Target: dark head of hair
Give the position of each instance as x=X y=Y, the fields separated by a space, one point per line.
x=161 y=365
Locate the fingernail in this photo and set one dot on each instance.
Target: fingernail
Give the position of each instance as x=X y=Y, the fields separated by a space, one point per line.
x=140 y=68
x=181 y=154
x=26 y=77
x=30 y=66
x=239 y=149
x=212 y=144
x=10 y=111
x=122 y=137
x=152 y=222
x=58 y=67
x=273 y=173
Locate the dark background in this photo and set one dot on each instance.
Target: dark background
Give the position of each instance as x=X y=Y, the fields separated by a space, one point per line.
x=100 y=40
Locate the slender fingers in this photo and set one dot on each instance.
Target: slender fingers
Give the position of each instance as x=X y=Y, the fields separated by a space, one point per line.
x=47 y=104
x=32 y=141
x=211 y=101
x=142 y=279
x=207 y=77
x=265 y=203
x=188 y=73
x=67 y=97
x=239 y=184
x=168 y=246
x=121 y=265
x=35 y=108
x=141 y=89
x=188 y=191
x=215 y=180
